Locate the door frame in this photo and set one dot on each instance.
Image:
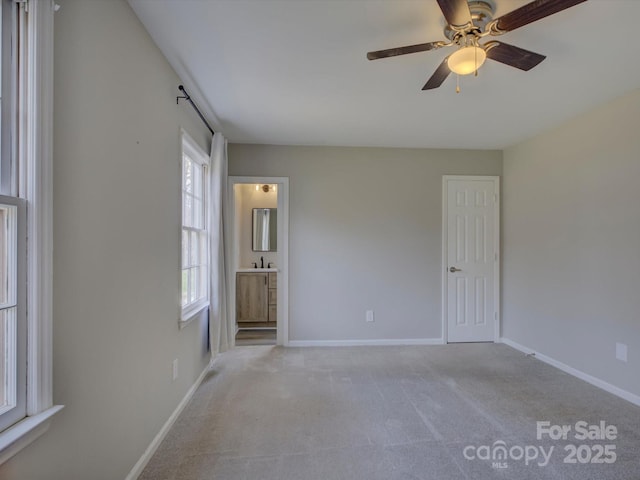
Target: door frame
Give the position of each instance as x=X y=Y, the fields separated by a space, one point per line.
x=231 y=251
x=445 y=251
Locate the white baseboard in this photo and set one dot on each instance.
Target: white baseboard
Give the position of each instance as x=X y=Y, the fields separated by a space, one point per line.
x=630 y=397
x=155 y=443
x=360 y=343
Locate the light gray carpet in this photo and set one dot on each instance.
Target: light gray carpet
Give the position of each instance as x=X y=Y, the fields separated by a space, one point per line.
x=387 y=413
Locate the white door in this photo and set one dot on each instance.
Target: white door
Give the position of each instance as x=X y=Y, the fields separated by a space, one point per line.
x=470 y=239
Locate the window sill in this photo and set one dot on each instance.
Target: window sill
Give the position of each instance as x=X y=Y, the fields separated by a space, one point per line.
x=192 y=312
x=25 y=432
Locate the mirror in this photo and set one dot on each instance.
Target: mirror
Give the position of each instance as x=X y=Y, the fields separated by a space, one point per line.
x=265 y=229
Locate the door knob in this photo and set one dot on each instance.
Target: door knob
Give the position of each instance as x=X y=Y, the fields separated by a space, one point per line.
x=454 y=269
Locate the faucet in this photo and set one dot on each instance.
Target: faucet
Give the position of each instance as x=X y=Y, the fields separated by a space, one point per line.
x=261 y=262
x=270 y=264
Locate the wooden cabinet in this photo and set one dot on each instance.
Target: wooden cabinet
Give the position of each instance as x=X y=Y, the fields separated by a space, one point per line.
x=273 y=297
x=256 y=297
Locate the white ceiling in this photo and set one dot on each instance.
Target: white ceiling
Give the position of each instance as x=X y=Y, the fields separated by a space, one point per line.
x=295 y=72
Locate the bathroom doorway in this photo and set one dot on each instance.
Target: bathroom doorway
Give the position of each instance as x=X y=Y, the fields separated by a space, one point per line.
x=257 y=259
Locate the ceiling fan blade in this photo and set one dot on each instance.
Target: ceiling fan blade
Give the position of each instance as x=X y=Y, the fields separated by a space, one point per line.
x=439 y=76
x=393 y=52
x=513 y=56
x=532 y=12
x=456 y=12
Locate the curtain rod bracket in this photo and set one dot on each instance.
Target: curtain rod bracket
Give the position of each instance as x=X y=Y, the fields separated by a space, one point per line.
x=185 y=96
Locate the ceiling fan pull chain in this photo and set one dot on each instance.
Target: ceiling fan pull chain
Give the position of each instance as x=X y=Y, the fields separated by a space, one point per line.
x=457 y=83
x=475 y=57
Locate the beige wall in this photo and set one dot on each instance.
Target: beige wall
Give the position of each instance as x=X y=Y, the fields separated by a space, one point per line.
x=572 y=242
x=117 y=248
x=365 y=233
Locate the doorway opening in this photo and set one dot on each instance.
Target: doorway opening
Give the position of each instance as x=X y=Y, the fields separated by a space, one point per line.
x=258 y=219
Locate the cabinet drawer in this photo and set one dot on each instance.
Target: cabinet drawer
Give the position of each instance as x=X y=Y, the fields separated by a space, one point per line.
x=273 y=279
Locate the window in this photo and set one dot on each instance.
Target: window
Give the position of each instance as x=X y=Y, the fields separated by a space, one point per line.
x=26 y=125
x=13 y=341
x=12 y=309
x=195 y=234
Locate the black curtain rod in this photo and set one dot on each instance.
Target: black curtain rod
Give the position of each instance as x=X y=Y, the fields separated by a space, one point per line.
x=188 y=99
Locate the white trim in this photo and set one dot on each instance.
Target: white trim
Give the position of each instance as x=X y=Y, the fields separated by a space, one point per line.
x=619 y=392
x=191 y=148
x=445 y=240
x=192 y=313
x=15 y=409
x=24 y=432
x=10 y=38
x=36 y=145
x=157 y=440
x=517 y=346
x=283 y=250
x=363 y=343
x=37 y=148
x=193 y=309
x=35 y=160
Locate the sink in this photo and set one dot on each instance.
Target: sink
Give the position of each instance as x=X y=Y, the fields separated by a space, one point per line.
x=251 y=269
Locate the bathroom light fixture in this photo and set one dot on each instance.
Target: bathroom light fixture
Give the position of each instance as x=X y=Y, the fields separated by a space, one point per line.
x=266 y=188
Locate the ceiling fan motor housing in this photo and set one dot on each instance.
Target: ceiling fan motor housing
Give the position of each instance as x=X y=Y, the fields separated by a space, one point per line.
x=482 y=12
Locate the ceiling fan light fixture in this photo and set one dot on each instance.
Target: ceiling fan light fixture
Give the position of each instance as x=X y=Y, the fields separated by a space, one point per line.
x=467 y=22
x=467 y=60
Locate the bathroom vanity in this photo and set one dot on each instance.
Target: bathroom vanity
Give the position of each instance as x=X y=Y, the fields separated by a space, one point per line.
x=257 y=297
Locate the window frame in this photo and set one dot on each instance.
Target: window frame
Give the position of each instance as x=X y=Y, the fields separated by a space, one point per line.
x=196 y=155
x=8 y=72
x=16 y=268
x=29 y=164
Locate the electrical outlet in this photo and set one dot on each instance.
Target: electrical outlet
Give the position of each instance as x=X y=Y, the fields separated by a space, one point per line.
x=369 y=316
x=175 y=369
x=621 y=351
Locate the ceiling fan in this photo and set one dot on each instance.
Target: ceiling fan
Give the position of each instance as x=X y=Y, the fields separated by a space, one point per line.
x=468 y=22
